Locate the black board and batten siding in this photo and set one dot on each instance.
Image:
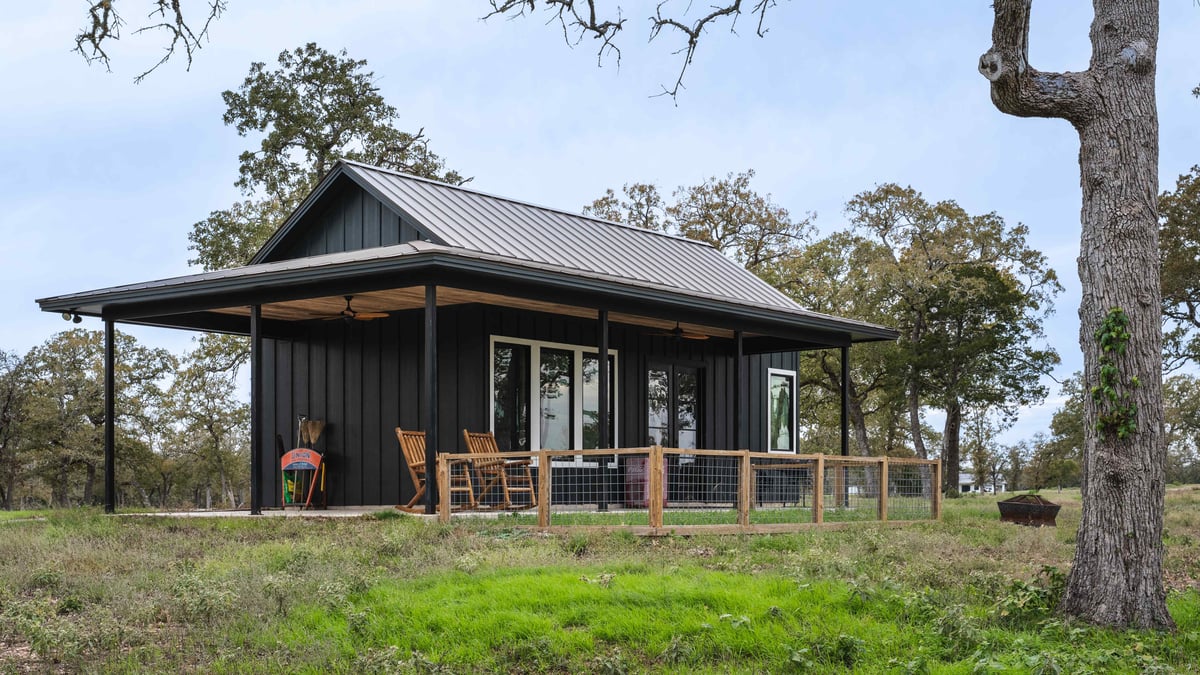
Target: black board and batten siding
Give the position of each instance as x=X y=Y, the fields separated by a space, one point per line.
x=347 y=219
x=363 y=378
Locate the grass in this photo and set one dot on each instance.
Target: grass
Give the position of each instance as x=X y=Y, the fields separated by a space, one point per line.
x=81 y=591
x=22 y=515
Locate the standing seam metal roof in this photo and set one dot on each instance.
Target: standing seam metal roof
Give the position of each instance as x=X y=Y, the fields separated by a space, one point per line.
x=468 y=219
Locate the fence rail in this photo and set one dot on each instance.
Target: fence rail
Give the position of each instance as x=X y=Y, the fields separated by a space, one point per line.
x=658 y=490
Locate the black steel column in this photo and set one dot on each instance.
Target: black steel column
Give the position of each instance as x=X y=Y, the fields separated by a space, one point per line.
x=605 y=441
x=845 y=414
x=739 y=392
x=256 y=422
x=431 y=399
x=110 y=414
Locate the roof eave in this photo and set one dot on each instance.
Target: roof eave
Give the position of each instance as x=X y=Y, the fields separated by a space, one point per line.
x=198 y=294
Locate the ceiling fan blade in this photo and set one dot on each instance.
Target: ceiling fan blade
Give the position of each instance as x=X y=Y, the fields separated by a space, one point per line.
x=367 y=316
x=678 y=333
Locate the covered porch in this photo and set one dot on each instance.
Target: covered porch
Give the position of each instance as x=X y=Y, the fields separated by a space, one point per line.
x=388 y=301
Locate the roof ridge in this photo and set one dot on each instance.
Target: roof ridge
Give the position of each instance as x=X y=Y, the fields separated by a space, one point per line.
x=522 y=202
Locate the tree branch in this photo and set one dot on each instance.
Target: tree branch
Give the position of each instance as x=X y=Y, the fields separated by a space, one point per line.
x=569 y=18
x=579 y=16
x=1019 y=89
x=104 y=24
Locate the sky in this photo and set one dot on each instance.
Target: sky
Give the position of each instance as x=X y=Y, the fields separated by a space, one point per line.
x=102 y=178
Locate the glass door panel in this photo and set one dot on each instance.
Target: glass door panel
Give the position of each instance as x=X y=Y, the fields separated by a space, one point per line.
x=687 y=407
x=510 y=368
x=658 y=399
x=673 y=406
x=591 y=400
x=556 y=380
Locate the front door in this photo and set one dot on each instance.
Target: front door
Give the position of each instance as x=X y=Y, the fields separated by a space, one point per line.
x=673 y=405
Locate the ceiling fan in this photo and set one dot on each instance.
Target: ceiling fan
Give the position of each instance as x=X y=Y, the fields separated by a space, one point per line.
x=350 y=313
x=680 y=334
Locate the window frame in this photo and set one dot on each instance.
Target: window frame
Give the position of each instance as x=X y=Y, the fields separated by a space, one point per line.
x=792 y=378
x=535 y=408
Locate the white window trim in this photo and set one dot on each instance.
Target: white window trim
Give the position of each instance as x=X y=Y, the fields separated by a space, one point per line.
x=767 y=413
x=535 y=407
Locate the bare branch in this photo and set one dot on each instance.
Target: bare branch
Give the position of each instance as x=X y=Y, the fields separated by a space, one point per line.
x=578 y=18
x=104 y=24
x=697 y=28
x=570 y=18
x=181 y=33
x=1017 y=88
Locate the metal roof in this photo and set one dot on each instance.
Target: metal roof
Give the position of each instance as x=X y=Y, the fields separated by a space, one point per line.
x=364 y=262
x=501 y=237
x=464 y=218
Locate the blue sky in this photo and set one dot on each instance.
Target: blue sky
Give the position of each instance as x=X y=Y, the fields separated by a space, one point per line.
x=102 y=179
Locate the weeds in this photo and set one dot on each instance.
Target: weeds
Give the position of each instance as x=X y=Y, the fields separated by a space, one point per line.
x=79 y=591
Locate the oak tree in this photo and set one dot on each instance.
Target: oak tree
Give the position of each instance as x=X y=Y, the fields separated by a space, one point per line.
x=727 y=213
x=968 y=296
x=314 y=108
x=1179 y=211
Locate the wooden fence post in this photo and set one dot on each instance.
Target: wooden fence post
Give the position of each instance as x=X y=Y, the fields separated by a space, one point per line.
x=443 y=483
x=883 y=488
x=839 y=486
x=544 y=470
x=656 y=486
x=745 y=489
x=819 y=491
x=937 y=490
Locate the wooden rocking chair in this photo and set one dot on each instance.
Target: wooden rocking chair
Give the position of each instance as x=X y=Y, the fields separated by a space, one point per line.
x=412 y=445
x=495 y=470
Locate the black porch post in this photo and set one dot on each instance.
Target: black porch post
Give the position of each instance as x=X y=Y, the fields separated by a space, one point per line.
x=110 y=413
x=739 y=391
x=431 y=398
x=845 y=413
x=256 y=422
x=604 y=440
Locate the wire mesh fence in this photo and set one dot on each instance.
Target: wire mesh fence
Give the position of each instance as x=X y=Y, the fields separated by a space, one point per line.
x=678 y=490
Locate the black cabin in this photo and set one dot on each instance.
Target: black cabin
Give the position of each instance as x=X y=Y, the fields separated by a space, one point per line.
x=388 y=300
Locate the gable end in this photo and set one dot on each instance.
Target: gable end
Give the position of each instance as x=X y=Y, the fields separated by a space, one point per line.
x=343 y=217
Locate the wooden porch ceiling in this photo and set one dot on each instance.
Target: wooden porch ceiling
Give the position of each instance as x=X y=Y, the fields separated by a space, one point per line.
x=413 y=297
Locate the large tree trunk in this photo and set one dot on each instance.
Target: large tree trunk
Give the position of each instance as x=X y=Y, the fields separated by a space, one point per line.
x=89 y=483
x=858 y=421
x=914 y=419
x=951 y=446
x=1116 y=576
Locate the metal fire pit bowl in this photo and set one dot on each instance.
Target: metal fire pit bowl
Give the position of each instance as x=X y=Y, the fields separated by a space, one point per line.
x=1028 y=510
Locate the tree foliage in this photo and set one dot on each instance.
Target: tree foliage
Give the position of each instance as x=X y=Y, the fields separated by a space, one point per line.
x=968 y=296
x=1179 y=241
x=833 y=276
x=180 y=429
x=726 y=213
x=64 y=414
x=315 y=108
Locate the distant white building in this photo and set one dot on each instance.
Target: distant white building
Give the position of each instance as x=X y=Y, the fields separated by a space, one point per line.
x=966 y=483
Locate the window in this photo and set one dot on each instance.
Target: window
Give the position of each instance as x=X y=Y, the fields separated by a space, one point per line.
x=560 y=384
x=781 y=410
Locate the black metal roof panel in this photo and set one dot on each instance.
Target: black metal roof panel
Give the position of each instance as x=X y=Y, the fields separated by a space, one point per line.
x=472 y=220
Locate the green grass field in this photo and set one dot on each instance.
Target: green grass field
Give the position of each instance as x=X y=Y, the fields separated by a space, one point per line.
x=83 y=592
